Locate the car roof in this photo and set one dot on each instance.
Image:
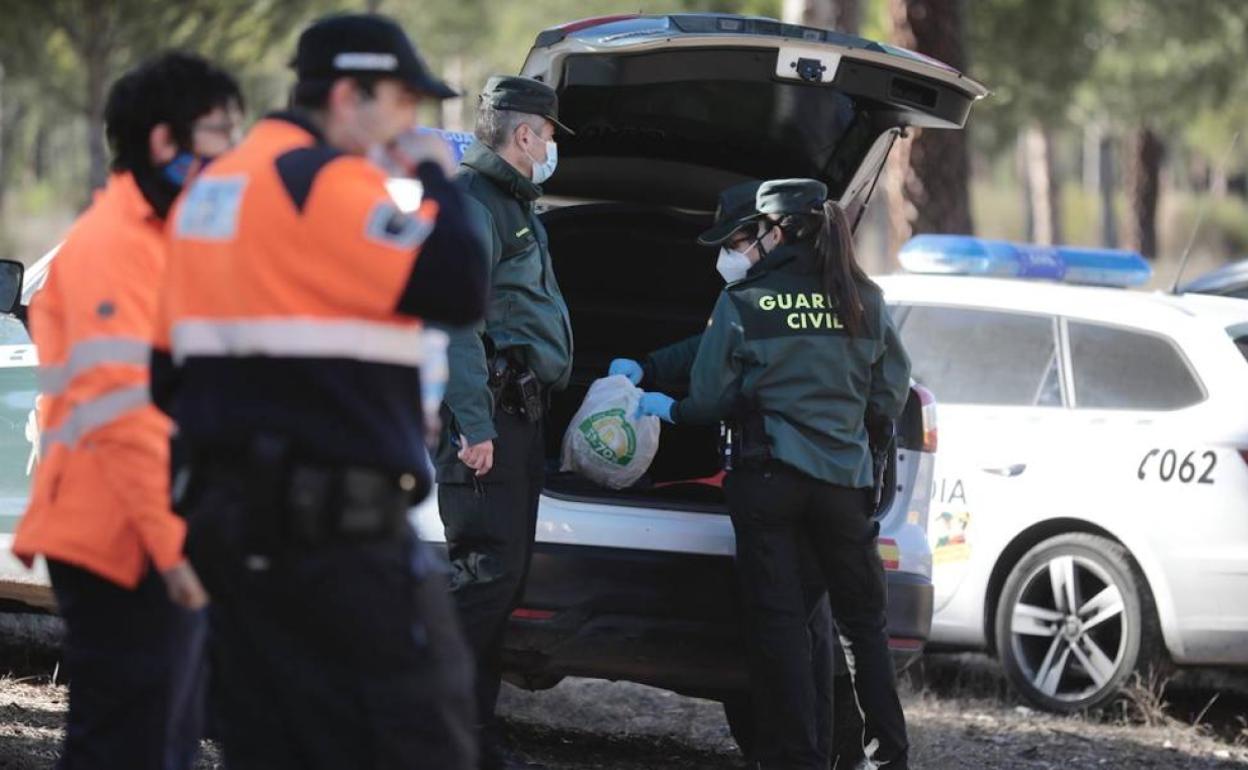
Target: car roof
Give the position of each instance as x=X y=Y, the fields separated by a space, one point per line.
x=1095 y=302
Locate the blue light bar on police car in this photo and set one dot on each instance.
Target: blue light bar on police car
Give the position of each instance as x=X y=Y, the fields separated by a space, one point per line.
x=967 y=255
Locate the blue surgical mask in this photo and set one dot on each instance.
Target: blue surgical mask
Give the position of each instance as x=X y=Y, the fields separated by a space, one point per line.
x=178 y=169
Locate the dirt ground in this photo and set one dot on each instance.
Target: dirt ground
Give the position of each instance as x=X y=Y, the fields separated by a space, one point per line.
x=960 y=716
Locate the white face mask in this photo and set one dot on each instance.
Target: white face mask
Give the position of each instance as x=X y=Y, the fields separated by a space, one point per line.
x=732 y=265
x=546 y=169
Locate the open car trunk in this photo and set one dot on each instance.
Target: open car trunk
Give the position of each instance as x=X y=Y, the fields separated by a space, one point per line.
x=668 y=112
x=635 y=280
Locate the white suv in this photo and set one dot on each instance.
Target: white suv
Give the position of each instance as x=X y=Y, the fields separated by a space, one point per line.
x=1090 y=505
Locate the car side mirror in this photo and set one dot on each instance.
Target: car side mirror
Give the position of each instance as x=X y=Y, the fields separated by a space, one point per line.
x=11 y=274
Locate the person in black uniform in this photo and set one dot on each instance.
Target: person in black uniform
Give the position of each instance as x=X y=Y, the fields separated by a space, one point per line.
x=288 y=350
x=800 y=355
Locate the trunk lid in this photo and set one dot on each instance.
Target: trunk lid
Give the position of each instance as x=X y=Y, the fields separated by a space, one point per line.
x=669 y=110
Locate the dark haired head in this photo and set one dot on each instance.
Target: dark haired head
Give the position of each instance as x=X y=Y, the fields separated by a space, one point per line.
x=174 y=88
x=833 y=241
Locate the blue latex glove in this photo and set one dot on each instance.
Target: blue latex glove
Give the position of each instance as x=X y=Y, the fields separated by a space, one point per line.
x=627 y=367
x=656 y=405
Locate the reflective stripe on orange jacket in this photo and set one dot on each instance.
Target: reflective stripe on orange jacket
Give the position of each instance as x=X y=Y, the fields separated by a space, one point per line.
x=100 y=498
x=294 y=298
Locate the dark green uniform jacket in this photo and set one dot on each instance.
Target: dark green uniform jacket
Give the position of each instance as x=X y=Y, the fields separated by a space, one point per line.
x=773 y=341
x=526 y=312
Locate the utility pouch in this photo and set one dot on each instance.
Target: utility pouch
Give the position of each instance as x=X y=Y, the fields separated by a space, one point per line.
x=499 y=376
x=755 y=444
x=529 y=395
x=746 y=443
x=881 y=436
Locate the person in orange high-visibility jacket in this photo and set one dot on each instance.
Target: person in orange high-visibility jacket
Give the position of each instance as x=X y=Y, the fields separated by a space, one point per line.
x=288 y=353
x=99 y=510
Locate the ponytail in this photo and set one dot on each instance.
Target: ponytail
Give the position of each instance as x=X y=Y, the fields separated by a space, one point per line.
x=838 y=265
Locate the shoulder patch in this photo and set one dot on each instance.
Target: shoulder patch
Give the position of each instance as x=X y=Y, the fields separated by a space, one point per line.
x=388 y=225
x=298 y=169
x=210 y=210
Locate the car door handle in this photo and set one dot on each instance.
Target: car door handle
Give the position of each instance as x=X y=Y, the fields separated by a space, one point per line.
x=1008 y=471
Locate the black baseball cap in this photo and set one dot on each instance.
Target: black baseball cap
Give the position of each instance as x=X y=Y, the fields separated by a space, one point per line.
x=364 y=44
x=791 y=196
x=520 y=94
x=736 y=208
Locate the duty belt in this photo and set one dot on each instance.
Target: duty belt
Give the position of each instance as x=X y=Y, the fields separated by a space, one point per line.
x=307 y=503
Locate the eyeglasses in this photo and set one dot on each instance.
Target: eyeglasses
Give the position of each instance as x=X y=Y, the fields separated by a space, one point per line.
x=226 y=128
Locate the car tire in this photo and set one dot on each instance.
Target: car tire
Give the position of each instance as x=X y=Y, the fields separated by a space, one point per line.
x=1067 y=661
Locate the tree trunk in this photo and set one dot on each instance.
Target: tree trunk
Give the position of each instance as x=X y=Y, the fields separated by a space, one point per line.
x=1043 y=187
x=840 y=15
x=1145 y=152
x=1024 y=186
x=95 y=52
x=4 y=143
x=929 y=186
x=451 y=111
x=39 y=152
x=1106 y=177
x=1091 y=158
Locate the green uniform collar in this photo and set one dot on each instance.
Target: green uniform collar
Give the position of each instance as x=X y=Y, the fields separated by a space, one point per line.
x=489 y=164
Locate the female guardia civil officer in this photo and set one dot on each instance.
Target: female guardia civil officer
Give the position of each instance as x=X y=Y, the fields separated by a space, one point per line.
x=799 y=355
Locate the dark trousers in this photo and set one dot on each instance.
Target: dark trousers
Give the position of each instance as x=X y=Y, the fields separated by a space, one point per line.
x=490 y=526
x=337 y=655
x=838 y=723
x=790 y=528
x=136 y=677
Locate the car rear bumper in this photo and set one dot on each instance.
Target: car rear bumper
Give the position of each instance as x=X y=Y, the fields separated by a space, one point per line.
x=909 y=615
x=663 y=619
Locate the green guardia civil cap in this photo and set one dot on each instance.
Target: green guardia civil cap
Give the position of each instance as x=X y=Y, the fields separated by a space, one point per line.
x=736 y=207
x=790 y=196
x=512 y=92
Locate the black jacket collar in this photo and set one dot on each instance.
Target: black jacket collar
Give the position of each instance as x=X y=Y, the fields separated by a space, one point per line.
x=490 y=164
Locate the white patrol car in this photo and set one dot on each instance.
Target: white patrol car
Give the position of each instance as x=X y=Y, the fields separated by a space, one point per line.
x=1090 y=505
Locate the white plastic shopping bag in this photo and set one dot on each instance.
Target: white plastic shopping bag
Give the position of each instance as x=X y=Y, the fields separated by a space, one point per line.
x=606 y=442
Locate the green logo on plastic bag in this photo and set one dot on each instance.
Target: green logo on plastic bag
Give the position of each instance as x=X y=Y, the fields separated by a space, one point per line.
x=610 y=436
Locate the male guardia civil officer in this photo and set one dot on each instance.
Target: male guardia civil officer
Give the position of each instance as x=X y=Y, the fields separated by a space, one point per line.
x=491 y=462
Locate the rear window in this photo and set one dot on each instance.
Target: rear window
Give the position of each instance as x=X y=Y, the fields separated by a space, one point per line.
x=1117 y=368
x=983 y=357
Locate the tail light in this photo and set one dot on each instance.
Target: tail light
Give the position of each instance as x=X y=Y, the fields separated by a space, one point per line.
x=890 y=554
x=902 y=644
x=928 y=402
x=1244 y=454
x=524 y=613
